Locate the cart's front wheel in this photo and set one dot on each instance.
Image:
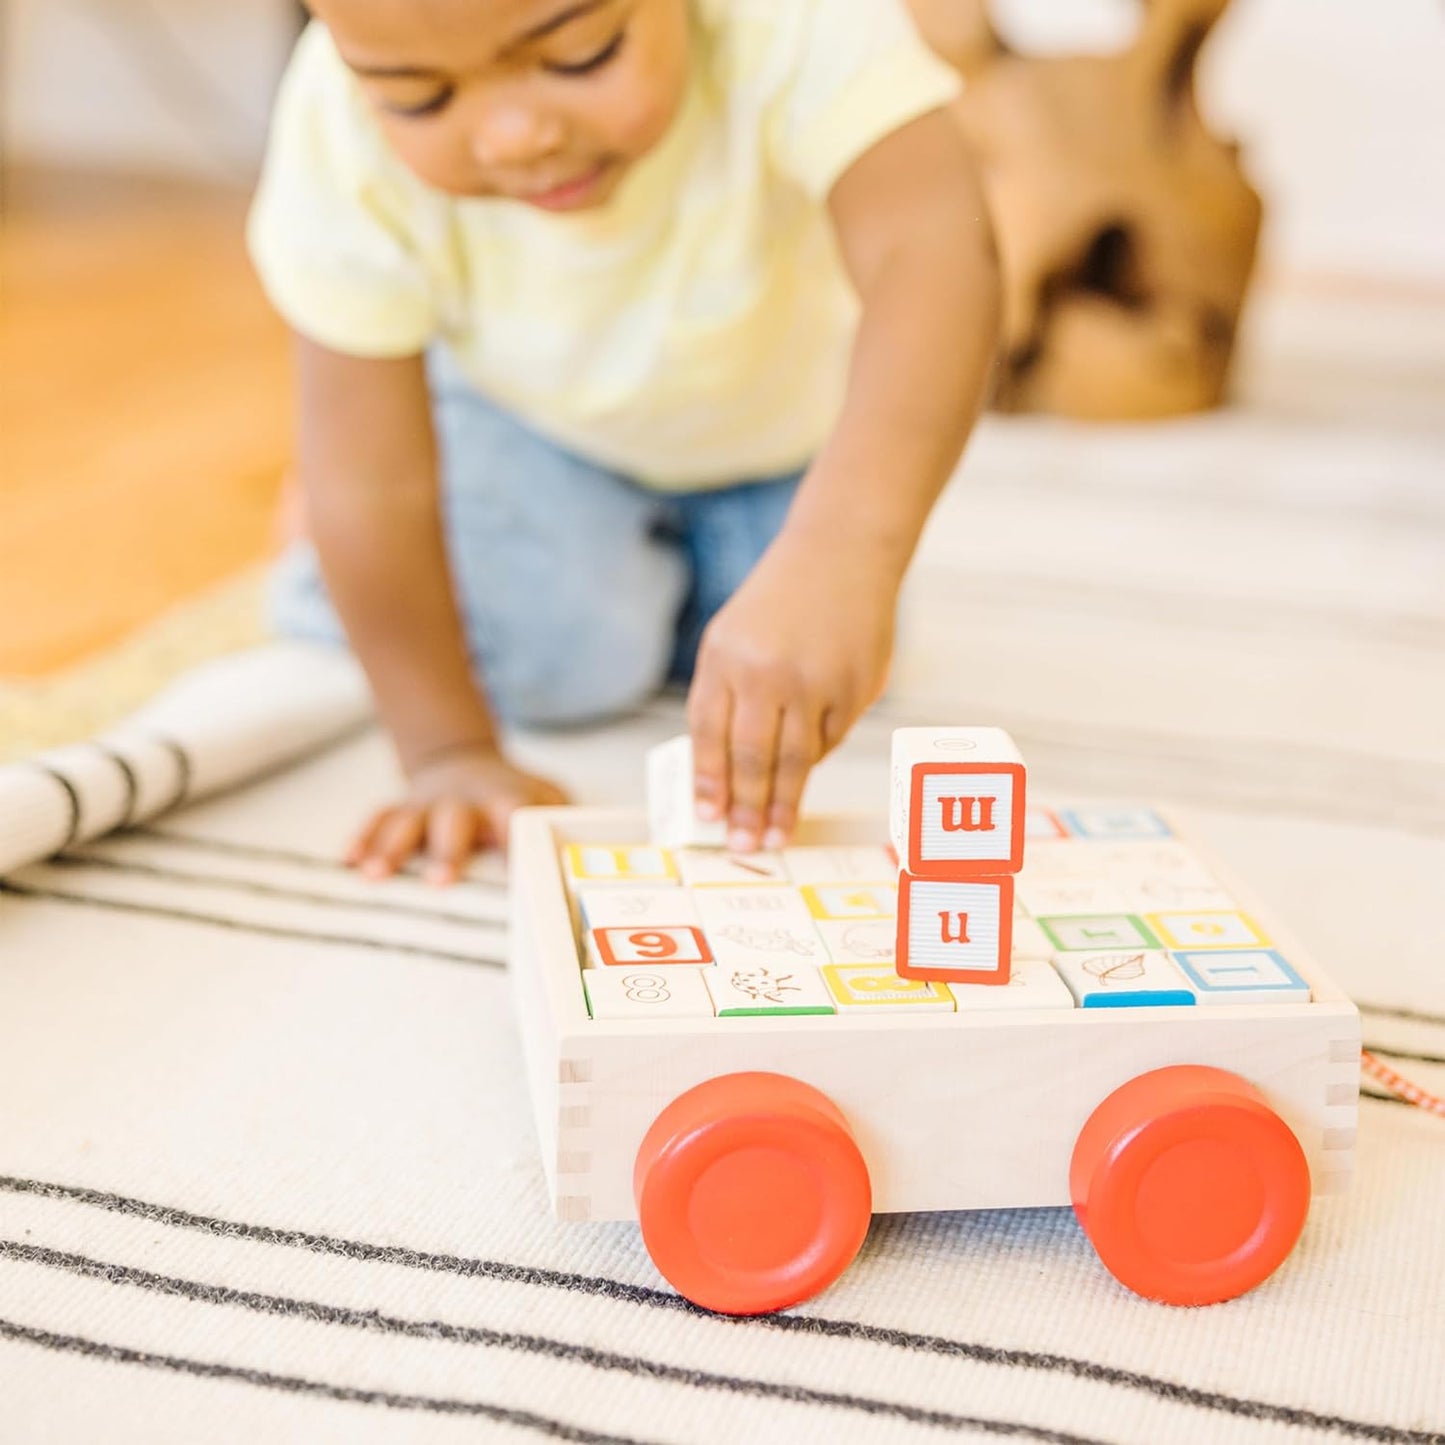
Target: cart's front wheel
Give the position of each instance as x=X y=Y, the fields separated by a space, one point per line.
x=751 y=1192
x=1192 y=1189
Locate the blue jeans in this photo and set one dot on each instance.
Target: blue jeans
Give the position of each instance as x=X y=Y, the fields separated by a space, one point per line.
x=581 y=592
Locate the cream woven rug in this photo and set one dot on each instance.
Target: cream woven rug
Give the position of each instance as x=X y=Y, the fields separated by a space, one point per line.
x=268 y=1167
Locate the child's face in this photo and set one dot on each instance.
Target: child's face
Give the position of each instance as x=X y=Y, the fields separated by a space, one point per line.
x=542 y=101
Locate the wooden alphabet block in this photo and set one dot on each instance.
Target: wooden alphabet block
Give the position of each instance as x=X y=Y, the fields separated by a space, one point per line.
x=858 y=940
x=876 y=986
x=779 y=988
x=712 y=867
x=1126 y=978
x=1042 y=823
x=625 y=863
x=1222 y=928
x=851 y=900
x=839 y=863
x=759 y=927
x=955 y=929
x=671 y=809
x=1029 y=940
x=1033 y=983
x=957 y=805
x=625 y=947
x=641 y=993
x=1077 y=895
x=1097 y=933
x=1114 y=822
x=636 y=908
x=1246 y=975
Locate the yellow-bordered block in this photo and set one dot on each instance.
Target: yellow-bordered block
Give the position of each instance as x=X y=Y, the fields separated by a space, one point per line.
x=873 y=985
x=851 y=900
x=618 y=863
x=1207 y=928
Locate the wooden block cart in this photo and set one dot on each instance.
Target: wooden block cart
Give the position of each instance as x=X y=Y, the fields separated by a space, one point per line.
x=1125 y=1069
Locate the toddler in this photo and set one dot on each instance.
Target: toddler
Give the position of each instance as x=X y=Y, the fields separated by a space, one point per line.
x=635 y=340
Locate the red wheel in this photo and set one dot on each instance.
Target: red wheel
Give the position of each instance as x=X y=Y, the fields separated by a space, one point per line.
x=1192 y=1189
x=752 y=1193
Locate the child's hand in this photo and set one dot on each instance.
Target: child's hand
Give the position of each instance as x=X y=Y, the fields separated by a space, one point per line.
x=454 y=807
x=785 y=669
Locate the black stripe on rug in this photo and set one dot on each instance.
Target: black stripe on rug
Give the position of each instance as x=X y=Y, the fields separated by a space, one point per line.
x=297 y=1385
x=127 y=867
x=313 y=1311
x=235 y=925
x=664 y=1299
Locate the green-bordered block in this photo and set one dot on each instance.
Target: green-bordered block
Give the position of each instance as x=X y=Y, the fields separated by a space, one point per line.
x=1097 y=932
x=755 y=990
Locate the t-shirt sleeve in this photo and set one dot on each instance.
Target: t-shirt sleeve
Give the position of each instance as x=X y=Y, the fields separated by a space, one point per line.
x=859 y=71
x=328 y=229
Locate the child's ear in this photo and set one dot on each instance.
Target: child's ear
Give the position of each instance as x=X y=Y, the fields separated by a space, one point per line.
x=1170 y=38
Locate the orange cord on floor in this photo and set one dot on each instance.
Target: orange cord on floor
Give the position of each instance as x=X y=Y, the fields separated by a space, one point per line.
x=1399 y=1085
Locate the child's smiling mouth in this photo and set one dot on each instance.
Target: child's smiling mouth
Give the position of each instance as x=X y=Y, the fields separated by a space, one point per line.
x=569 y=195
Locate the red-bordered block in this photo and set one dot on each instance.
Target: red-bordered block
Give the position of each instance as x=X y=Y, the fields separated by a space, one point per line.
x=628 y=947
x=955 y=831
x=957 y=930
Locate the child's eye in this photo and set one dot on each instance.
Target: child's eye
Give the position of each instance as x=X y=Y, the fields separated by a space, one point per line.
x=430 y=106
x=593 y=62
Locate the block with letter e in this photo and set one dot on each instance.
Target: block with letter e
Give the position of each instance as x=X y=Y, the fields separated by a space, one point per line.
x=955 y=929
x=957 y=806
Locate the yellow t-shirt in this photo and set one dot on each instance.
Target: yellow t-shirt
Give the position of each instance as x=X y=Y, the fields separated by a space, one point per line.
x=692 y=332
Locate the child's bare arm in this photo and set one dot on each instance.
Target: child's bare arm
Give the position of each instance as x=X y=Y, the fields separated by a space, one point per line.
x=803 y=648
x=368 y=463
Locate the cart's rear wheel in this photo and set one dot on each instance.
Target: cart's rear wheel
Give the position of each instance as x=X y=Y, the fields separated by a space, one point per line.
x=1192 y=1189
x=751 y=1192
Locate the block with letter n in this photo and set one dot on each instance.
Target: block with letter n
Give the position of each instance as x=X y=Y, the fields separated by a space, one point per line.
x=955 y=929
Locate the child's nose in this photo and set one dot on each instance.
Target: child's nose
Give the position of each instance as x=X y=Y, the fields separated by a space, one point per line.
x=507 y=133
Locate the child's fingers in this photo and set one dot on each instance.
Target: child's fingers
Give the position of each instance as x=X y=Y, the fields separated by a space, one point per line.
x=361 y=844
x=451 y=834
x=709 y=715
x=752 y=757
x=799 y=748
x=398 y=837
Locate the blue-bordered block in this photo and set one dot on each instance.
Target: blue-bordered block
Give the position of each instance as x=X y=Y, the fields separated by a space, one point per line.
x=1125 y=978
x=1096 y=932
x=1112 y=823
x=1244 y=975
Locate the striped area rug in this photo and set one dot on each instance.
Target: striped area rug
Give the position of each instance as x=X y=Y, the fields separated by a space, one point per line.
x=267 y=1169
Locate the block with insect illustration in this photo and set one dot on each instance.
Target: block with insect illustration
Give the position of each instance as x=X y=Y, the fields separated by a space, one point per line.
x=955 y=929
x=783 y=989
x=957 y=805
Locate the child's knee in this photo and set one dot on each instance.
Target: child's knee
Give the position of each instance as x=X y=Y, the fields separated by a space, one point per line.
x=581 y=671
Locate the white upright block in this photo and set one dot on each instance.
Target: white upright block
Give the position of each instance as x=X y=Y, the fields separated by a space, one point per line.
x=957 y=802
x=671 y=808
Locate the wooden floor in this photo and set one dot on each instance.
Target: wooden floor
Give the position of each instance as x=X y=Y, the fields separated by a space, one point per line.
x=144 y=413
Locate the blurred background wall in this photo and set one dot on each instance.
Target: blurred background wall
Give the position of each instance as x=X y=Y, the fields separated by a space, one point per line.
x=1341 y=104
